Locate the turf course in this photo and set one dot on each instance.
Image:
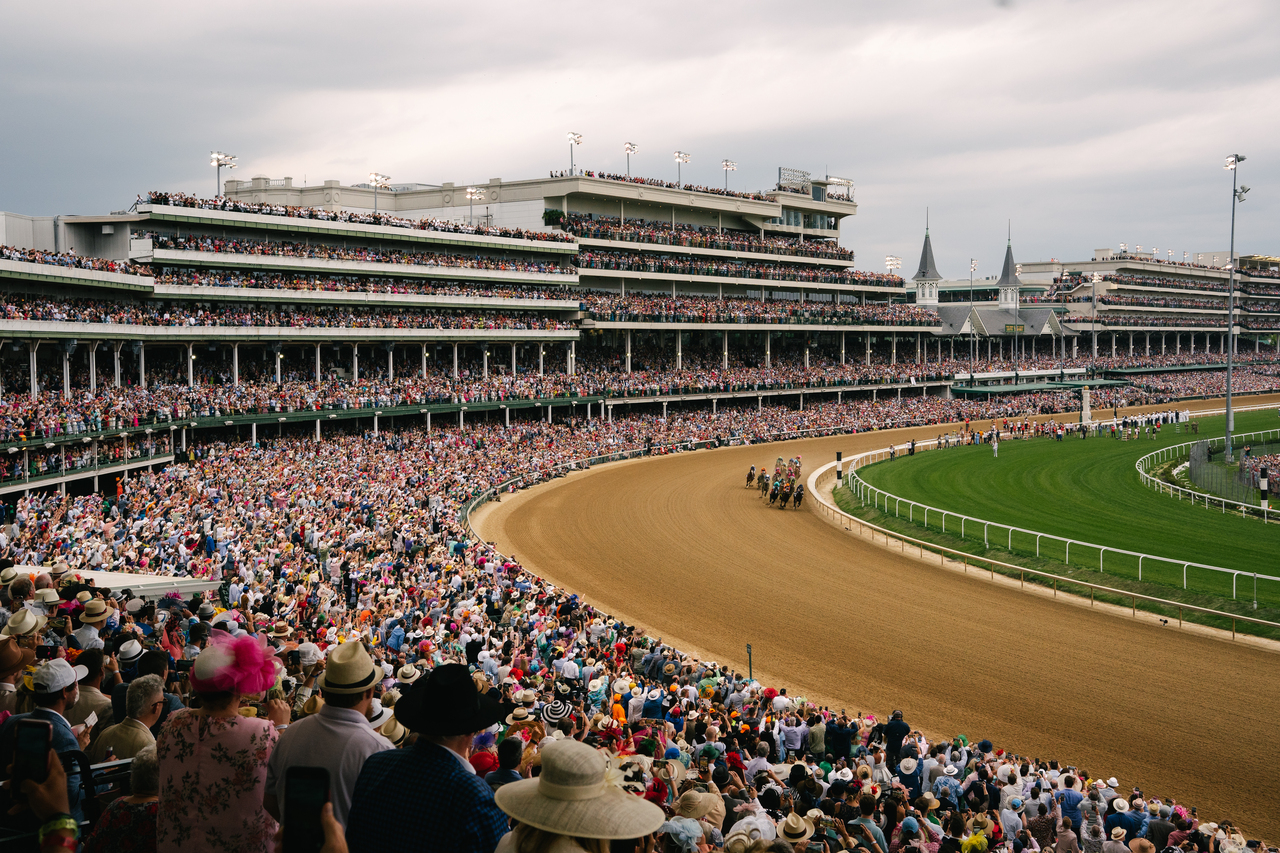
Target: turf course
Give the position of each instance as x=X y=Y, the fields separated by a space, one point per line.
x=1089 y=490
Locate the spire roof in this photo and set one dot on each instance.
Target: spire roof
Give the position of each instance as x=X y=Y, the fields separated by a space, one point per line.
x=1009 y=275
x=928 y=269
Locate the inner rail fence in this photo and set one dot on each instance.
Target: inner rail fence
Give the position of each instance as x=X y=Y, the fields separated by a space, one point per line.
x=1215 y=580
x=1178 y=451
x=825 y=506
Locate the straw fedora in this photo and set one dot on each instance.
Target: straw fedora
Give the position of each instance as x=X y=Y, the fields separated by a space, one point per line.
x=519 y=715
x=571 y=797
x=394 y=731
x=47 y=596
x=1120 y=804
x=13 y=657
x=97 y=611
x=22 y=623
x=378 y=714
x=795 y=829
x=408 y=674
x=349 y=670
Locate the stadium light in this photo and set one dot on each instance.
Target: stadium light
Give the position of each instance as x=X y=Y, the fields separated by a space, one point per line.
x=379 y=181
x=681 y=158
x=973 y=334
x=473 y=193
x=1096 y=278
x=1124 y=247
x=629 y=148
x=574 y=139
x=728 y=166
x=1237 y=195
x=218 y=159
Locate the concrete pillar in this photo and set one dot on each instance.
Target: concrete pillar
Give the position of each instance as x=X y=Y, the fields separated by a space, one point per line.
x=760 y=403
x=802 y=401
x=541 y=352
x=278 y=358
x=455 y=360
x=842 y=342
x=391 y=363
x=31 y=358
x=318 y=361
x=484 y=360
x=628 y=361
x=506 y=415
x=713 y=405
x=1095 y=344
x=116 y=353
x=724 y=353
x=918 y=359
x=768 y=349
x=893 y=357
x=355 y=362
x=610 y=410
x=1163 y=344
x=1148 y=343
x=142 y=365
x=1131 y=343
x=423 y=370
x=375 y=423
x=573 y=357
x=664 y=410
x=66 y=379
x=235 y=363
x=679 y=350
x=867 y=337
x=428 y=422
x=191 y=366
x=460 y=419
x=253 y=432
x=93 y=366
x=806 y=355
x=317 y=429
x=1177 y=343
x=1222 y=344
x=513 y=359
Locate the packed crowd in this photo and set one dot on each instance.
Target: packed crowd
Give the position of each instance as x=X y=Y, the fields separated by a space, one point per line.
x=1153 y=301
x=1203 y=383
x=603 y=260
x=699 y=236
x=359 y=627
x=654 y=182
x=363 y=217
x=708 y=309
x=1198 y=321
x=153 y=313
x=188 y=277
x=293 y=249
x=1073 y=281
x=69 y=259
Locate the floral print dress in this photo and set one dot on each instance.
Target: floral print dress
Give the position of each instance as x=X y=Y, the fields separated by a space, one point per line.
x=213 y=773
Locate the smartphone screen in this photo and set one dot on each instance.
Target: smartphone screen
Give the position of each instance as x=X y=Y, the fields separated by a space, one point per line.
x=306 y=790
x=32 y=739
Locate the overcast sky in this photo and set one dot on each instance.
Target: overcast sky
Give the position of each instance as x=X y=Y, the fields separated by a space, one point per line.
x=1086 y=122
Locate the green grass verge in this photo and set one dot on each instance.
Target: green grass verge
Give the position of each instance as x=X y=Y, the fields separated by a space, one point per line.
x=1089 y=491
x=1066 y=575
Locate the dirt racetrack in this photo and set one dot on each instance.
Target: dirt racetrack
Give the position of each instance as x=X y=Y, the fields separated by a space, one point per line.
x=677 y=545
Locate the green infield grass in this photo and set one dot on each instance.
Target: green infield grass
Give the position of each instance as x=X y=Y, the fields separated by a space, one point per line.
x=1089 y=491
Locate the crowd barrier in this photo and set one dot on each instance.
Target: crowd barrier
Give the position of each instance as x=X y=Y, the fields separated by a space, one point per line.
x=881 y=500
x=826 y=508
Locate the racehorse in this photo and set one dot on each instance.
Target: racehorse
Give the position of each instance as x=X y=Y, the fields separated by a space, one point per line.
x=786 y=496
x=799 y=496
x=773 y=492
x=751 y=476
x=764 y=483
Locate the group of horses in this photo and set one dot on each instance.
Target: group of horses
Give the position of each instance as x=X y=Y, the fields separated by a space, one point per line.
x=782 y=488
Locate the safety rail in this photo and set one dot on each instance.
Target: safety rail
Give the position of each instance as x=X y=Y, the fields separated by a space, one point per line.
x=837 y=516
x=864 y=491
x=1168 y=454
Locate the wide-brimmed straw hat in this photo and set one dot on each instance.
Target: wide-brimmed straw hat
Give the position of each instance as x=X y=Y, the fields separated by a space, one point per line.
x=571 y=797
x=349 y=670
x=96 y=611
x=795 y=829
x=22 y=623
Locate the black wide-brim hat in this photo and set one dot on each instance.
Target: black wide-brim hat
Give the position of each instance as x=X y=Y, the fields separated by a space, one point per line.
x=446 y=704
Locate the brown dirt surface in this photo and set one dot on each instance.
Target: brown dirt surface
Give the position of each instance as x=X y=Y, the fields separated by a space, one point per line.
x=677 y=545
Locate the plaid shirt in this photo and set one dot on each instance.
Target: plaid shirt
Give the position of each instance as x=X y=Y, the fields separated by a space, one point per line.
x=422 y=798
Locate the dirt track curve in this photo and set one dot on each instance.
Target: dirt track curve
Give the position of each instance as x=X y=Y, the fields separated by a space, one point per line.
x=677 y=545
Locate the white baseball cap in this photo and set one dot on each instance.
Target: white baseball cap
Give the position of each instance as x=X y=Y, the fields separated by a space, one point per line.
x=57 y=674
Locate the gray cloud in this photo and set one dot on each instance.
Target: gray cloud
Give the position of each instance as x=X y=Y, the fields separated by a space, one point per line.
x=1086 y=122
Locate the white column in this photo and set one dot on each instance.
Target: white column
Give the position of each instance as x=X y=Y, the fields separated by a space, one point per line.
x=573 y=357
x=455 y=359
x=513 y=359
x=66 y=379
x=93 y=366
x=279 y=357
x=116 y=352
x=142 y=365
x=724 y=355
x=235 y=363
x=355 y=362
x=541 y=353
x=485 y=360
x=679 y=347
x=317 y=429
x=317 y=364
x=628 y=361
x=768 y=349
x=191 y=366
x=391 y=363
x=893 y=357
x=424 y=362
x=31 y=357
x=842 y=343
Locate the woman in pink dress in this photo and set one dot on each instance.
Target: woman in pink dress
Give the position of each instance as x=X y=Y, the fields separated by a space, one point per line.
x=213 y=761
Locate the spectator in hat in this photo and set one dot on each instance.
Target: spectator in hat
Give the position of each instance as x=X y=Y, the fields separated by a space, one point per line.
x=895 y=731
x=14 y=660
x=570 y=806
x=1115 y=842
x=213 y=759
x=338 y=737
x=129 y=823
x=1124 y=817
x=56 y=687
x=95 y=614
x=431 y=790
x=144 y=702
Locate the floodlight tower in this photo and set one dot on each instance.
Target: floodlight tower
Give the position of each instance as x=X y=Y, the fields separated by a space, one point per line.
x=728 y=166
x=1237 y=195
x=217 y=159
x=681 y=158
x=629 y=148
x=378 y=181
x=574 y=139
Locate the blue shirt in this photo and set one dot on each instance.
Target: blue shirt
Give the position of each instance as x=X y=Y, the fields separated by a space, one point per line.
x=1070 y=802
x=425 y=799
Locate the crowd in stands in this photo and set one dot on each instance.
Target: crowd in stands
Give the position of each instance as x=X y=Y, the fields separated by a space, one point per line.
x=654 y=182
x=362 y=217
x=699 y=236
x=1075 y=280
x=69 y=259
x=708 y=309
x=1153 y=301
x=15 y=307
x=604 y=260
x=359 y=626
x=1205 y=383
x=293 y=249
x=70 y=458
x=188 y=277
x=1151 y=320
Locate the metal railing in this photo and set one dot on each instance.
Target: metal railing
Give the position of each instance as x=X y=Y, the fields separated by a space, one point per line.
x=1176 y=451
x=837 y=516
x=881 y=499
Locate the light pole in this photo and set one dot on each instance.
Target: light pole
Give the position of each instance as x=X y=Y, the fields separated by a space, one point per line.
x=681 y=158
x=473 y=193
x=1017 y=303
x=973 y=334
x=379 y=181
x=1093 y=326
x=629 y=148
x=1237 y=195
x=218 y=159
x=574 y=139
x=728 y=166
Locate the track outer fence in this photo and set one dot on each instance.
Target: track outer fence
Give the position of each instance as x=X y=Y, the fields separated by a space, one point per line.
x=865 y=491
x=825 y=507
x=1176 y=451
